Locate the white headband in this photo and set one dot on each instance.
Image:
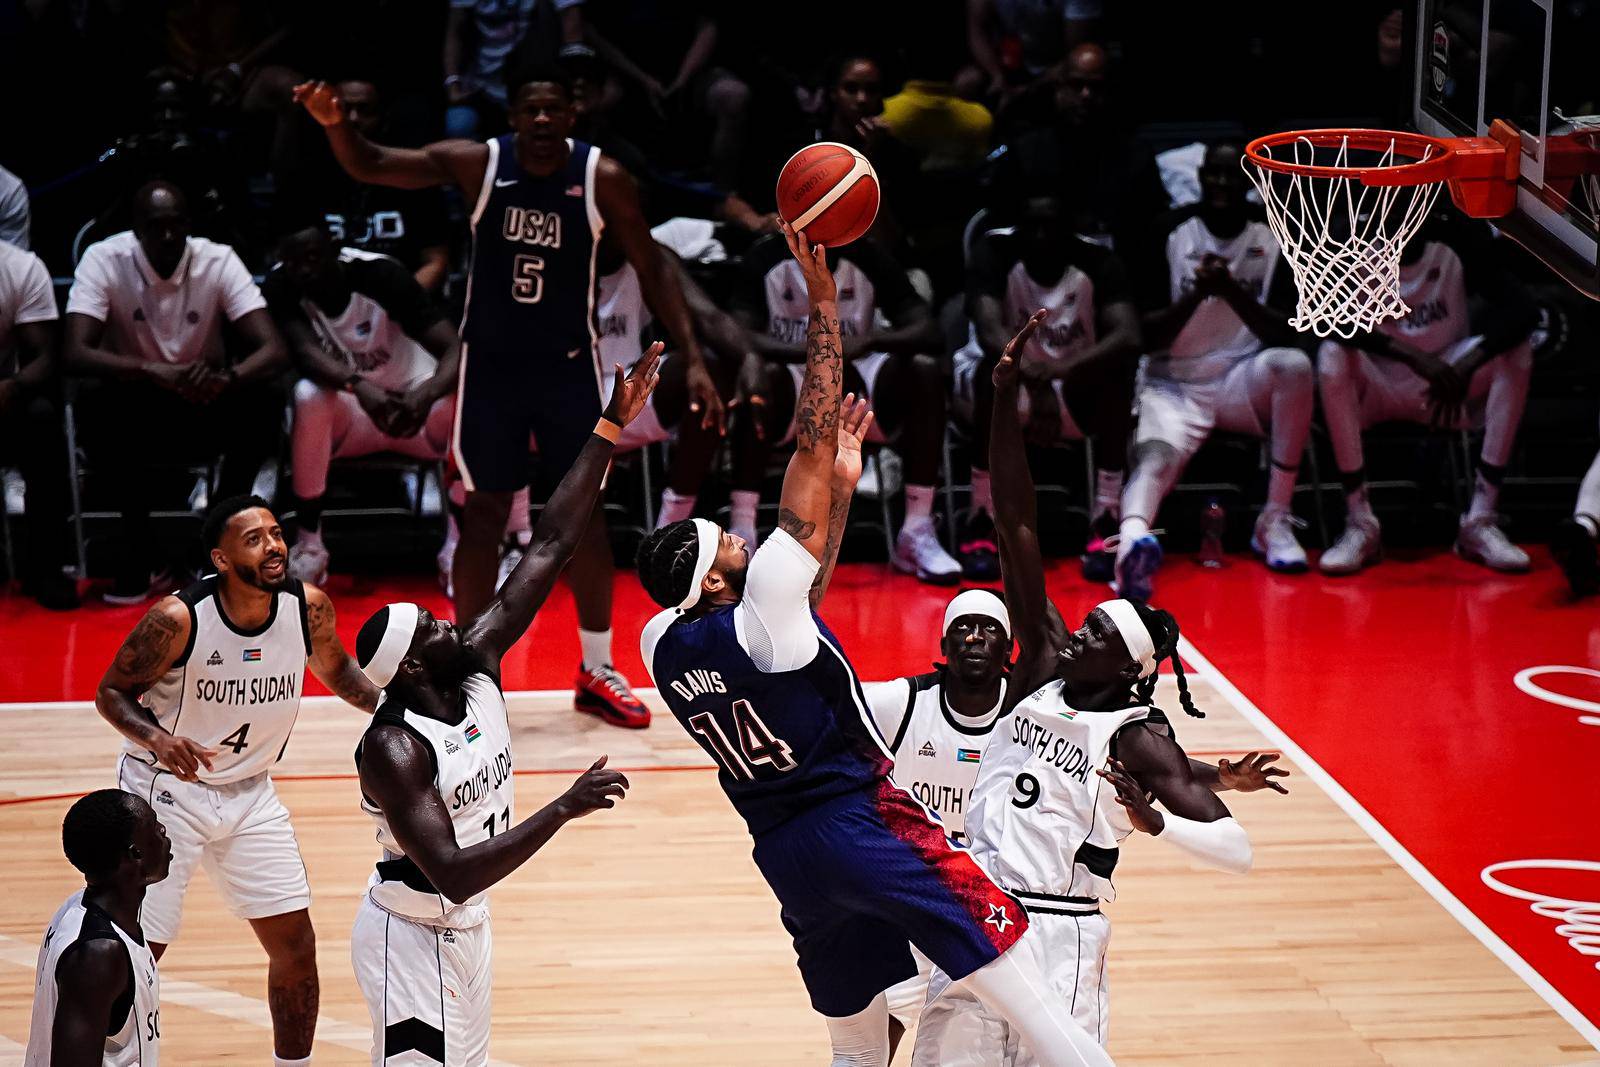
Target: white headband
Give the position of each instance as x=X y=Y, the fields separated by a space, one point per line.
x=977 y=602
x=397 y=635
x=709 y=536
x=1141 y=646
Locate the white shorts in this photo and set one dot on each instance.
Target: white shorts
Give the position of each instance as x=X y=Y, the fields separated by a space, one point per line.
x=907 y=998
x=1183 y=413
x=1390 y=391
x=869 y=367
x=239 y=831
x=427 y=989
x=964 y=393
x=957 y=1030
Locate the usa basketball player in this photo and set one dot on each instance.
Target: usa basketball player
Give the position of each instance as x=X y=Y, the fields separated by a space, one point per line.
x=529 y=351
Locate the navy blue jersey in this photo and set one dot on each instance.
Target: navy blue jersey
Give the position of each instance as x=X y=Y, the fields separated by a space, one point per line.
x=784 y=741
x=532 y=283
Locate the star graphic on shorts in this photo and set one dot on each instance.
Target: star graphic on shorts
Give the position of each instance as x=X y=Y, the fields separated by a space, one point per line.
x=998 y=917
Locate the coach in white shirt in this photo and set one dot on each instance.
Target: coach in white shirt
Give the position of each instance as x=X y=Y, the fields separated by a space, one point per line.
x=147 y=309
x=30 y=421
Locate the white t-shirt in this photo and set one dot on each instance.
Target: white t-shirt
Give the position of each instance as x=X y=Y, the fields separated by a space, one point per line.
x=773 y=622
x=15 y=216
x=174 y=320
x=25 y=295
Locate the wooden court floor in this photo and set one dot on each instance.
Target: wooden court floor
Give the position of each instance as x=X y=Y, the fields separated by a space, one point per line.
x=644 y=936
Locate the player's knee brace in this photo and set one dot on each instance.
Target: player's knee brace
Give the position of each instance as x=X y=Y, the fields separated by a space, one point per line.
x=862 y=1039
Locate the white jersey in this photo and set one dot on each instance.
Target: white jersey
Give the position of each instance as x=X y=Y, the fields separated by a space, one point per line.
x=1070 y=302
x=138 y=1037
x=936 y=750
x=233 y=690
x=1042 y=823
x=1215 y=338
x=367 y=339
x=624 y=317
x=1435 y=289
x=472 y=772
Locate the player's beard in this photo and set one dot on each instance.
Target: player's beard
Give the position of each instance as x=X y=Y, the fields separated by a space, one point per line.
x=251 y=576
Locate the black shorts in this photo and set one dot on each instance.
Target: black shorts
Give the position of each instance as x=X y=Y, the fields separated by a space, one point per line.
x=507 y=397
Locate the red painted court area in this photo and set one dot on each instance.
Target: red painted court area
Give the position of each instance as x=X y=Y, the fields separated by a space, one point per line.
x=1459 y=709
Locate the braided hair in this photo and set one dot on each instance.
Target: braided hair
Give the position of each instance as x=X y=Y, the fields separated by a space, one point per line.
x=1164 y=632
x=666 y=562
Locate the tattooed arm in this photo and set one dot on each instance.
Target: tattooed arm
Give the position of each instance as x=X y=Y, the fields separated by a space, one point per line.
x=804 y=507
x=857 y=420
x=329 y=661
x=148 y=653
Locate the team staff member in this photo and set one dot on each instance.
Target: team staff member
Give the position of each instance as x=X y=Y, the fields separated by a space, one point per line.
x=97 y=997
x=529 y=345
x=226 y=659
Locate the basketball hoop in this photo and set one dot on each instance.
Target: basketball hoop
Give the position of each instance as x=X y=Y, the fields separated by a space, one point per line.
x=1343 y=204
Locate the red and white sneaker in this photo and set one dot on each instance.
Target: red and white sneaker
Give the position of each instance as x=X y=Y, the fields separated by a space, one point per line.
x=606 y=693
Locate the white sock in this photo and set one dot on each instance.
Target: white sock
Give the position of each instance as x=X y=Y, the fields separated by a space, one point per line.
x=1130 y=530
x=280 y=1061
x=919 y=505
x=1012 y=987
x=596 y=646
x=674 y=508
x=1358 y=505
x=981 y=497
x=1107 y=492
x=742 y=509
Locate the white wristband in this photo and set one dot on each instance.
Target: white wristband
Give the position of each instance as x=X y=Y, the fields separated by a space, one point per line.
x=1222 y=844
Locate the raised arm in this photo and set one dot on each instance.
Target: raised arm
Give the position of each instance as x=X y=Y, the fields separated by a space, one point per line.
x=1016 y=519
x=397 y=775
x=563 y=521
x=90 y=977
x=618 y=199
x=147 y=654
x=329 y=661
x=855 y=422
x=806 y=501
x=440 y=163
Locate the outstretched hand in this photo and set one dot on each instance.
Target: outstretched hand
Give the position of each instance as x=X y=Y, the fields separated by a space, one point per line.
x=630 y=393
x=1005 y=372
x=813 y=260
x=1251 y=773
x=855 y=419
x=1134 y=800
x=596 y=788
x=322 y=100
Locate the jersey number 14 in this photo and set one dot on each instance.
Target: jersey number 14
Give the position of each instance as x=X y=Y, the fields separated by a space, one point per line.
x=757 y=744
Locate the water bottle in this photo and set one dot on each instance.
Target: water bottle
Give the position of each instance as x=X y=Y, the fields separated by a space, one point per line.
x=1213 y=521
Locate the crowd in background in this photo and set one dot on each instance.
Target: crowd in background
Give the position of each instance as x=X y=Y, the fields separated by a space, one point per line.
x=171 y=221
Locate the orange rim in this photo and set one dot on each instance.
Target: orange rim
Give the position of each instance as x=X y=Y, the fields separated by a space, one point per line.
x=1438 y=165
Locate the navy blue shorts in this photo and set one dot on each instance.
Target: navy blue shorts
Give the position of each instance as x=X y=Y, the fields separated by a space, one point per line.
x=861 y=876
x=507 y=396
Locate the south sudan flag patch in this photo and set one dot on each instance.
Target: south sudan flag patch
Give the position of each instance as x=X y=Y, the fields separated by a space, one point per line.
x=472 y=732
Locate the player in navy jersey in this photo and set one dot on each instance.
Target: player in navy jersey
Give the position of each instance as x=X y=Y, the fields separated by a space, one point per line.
x=744 y=662
x=540 y=201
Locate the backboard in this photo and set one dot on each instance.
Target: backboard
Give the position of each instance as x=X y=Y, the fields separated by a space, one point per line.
x=1536 y=65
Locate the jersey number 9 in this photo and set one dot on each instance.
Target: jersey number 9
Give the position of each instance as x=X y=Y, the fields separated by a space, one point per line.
x=757 y=745
x=527 y=279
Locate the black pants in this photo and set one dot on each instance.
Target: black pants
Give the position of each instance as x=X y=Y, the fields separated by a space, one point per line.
x=32 y=440
x=131 y=430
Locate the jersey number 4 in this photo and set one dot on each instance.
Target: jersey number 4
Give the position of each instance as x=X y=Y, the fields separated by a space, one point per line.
x=757 y=745
x=236 y=740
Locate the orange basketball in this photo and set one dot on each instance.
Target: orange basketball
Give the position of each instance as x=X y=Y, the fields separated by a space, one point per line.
x=830 y=191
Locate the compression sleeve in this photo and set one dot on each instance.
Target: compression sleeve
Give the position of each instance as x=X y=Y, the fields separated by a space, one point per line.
x=774 y=621
x=1222 y=844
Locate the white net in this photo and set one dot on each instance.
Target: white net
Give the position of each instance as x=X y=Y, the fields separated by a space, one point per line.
x=1343 y=239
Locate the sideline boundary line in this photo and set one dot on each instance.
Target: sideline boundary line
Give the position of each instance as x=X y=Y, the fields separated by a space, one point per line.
x=1390 y=844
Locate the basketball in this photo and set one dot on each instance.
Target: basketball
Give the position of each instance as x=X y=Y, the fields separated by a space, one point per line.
x=830 y=191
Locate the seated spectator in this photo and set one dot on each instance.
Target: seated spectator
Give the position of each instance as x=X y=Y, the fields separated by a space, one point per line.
x=1016 y=43
x=1223 y=301
x=892 y=365
x=1078 y=369
x=145 y=316
x=945 y=131
x=406 y=224
x=30 y=422
x=484 y=39
x=378 y=362
x=1434 y=366
x=664 y=52
x=1087 y=156
x=853 y=115
x=14 y=217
